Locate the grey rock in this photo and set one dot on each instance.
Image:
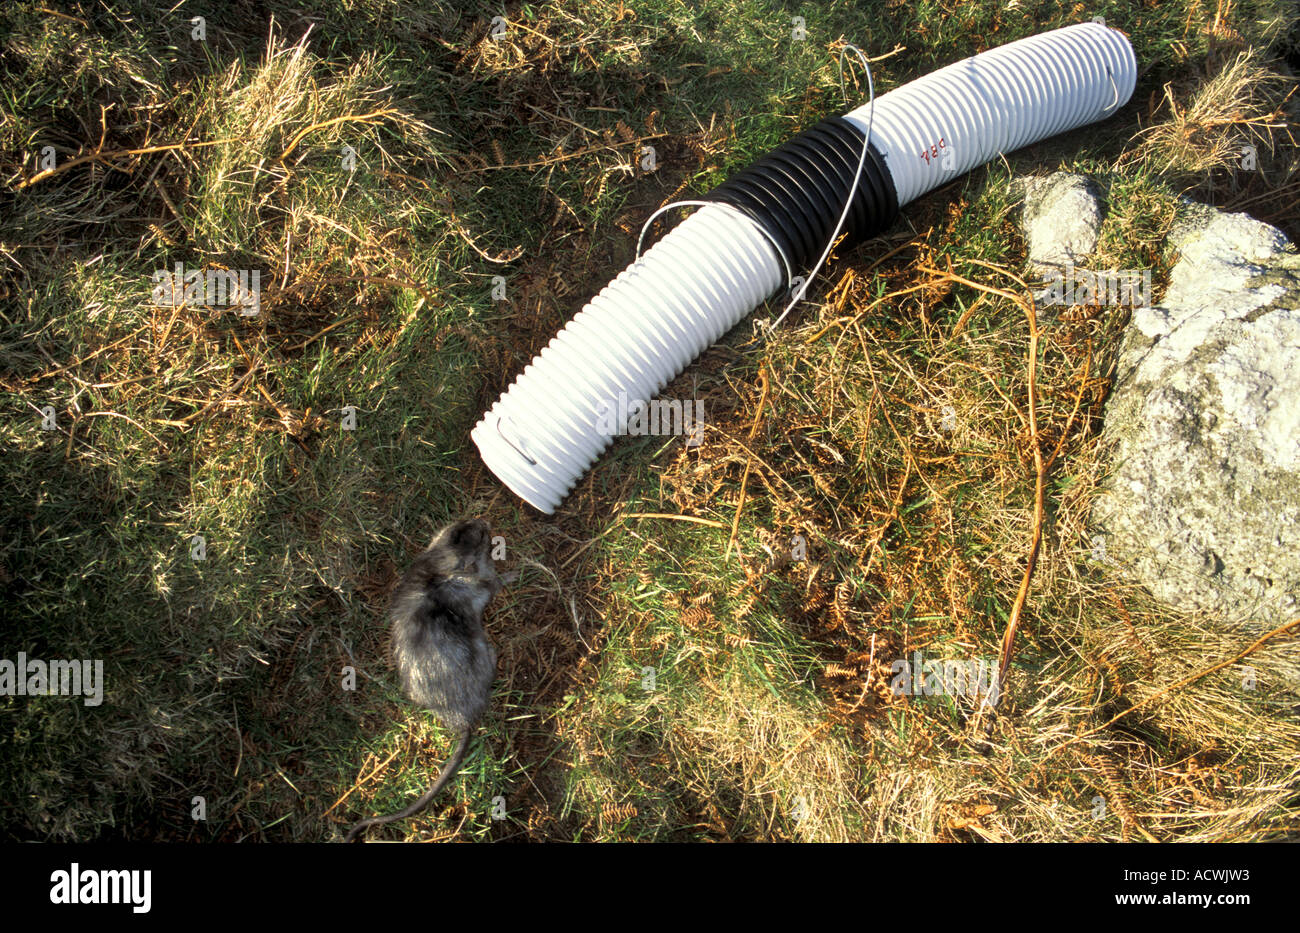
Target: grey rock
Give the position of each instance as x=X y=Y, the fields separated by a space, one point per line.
x=1203 y=501
x=1061 y=219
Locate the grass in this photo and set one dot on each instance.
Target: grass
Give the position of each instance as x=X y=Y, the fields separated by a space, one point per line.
x=654 y=681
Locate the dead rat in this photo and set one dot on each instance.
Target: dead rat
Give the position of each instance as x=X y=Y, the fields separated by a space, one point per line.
x=443 y=657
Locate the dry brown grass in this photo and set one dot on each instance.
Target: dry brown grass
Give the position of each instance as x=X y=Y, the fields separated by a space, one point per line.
x=900 y=445
x=1238 y=104
x=774 y=718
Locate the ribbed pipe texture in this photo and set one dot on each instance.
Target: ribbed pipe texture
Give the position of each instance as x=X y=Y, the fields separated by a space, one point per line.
x=937 y=127
x=643 y=329
x=797 y=191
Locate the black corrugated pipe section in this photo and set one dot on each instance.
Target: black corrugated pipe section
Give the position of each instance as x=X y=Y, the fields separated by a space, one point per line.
x=797 y=191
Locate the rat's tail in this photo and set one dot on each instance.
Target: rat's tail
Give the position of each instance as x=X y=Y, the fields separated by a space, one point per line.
x=449 y=769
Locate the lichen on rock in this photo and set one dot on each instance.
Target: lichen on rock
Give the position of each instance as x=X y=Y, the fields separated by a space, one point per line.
x=1203 y=501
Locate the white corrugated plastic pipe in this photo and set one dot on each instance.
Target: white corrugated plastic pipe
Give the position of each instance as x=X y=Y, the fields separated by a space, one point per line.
x=715 y=267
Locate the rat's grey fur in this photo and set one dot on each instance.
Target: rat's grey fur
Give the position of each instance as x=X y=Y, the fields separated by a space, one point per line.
x=444 y=659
